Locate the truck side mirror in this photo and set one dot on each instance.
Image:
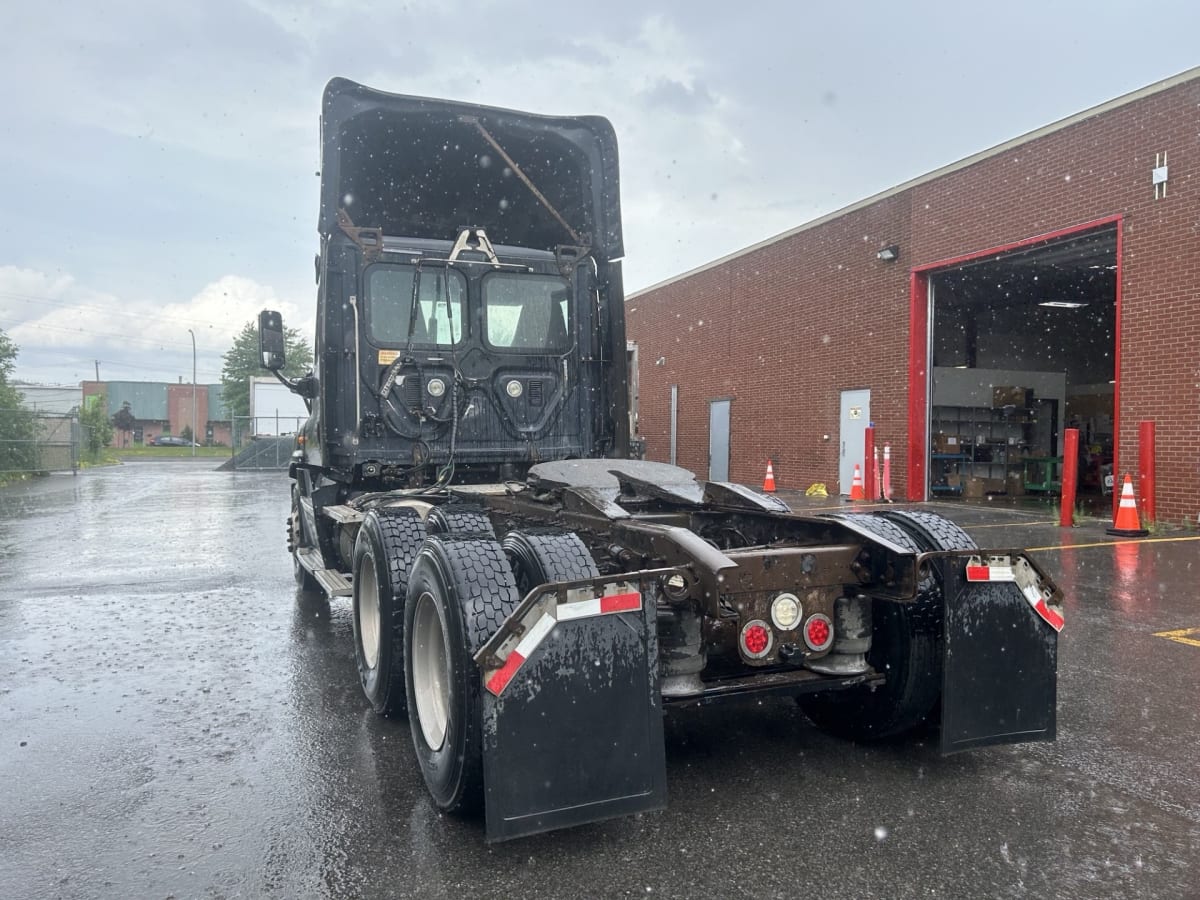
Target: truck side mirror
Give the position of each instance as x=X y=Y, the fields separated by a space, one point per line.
x=271 y=344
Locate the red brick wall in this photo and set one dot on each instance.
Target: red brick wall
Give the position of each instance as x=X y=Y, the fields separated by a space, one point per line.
x=783 y=329
x=179 y=409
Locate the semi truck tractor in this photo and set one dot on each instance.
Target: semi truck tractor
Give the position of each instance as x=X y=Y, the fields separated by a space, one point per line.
x=532 y=599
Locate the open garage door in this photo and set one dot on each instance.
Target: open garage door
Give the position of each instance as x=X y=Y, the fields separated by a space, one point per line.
x=1023 y=346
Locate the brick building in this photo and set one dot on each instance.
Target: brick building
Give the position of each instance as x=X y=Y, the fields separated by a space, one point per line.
x=160 y=408
x=972 y=314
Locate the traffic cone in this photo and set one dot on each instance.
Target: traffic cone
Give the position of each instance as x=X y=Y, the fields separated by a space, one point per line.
x=1127 y=523
x=769 y=481
x=856 y=485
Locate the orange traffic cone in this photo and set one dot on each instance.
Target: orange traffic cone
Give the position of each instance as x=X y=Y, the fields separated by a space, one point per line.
x=769 y=481
x=856 y=485
x=1128 y=523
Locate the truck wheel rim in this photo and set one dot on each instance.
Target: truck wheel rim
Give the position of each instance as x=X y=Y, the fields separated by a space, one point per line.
x=431 y=672
x=368 y=615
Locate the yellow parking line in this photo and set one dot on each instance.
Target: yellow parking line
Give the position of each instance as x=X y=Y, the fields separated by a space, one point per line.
x=1180 y=636
x=1169 y=540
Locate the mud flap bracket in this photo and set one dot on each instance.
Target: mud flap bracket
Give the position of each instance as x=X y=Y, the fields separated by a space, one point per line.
x=572 y=717
x=1002 y=619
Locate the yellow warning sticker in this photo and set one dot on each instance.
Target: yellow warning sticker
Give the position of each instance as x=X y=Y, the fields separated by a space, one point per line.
x=1181 y=636
x=387 y=357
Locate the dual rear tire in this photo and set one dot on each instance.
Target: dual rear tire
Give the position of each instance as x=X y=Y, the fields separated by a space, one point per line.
x=906 y=642
x=427 y=596
x=462 y=589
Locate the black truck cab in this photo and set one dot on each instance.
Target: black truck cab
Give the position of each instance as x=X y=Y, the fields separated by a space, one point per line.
x=469 y=319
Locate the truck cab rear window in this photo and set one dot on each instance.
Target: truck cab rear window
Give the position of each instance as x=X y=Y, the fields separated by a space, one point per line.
x=440 y=305
x=527 y=312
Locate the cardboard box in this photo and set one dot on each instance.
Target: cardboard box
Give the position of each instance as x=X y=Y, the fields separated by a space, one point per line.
x=1014 y=484
x=975 y=488
x=1020 y=397
x=946 y=443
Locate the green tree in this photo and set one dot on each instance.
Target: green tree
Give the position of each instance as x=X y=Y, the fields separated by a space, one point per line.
x=124 y=421
x=242 y=361
x=17 y=425
x=97 y=429
x=186 y=434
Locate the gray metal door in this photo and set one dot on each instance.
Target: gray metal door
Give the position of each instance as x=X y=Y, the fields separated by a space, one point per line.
x=856 y=414
x=718 y=440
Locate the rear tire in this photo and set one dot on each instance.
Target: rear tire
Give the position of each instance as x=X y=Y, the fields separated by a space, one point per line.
x=383 y=555
x=459 y=594
x=931 y=531
x=453 y=519
x=541 y=558
x=906 y=647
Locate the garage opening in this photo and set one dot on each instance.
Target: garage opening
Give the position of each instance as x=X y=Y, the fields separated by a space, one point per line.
x=1024 y=346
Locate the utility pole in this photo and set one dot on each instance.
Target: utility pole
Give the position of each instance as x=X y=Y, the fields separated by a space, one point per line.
x=193 y=334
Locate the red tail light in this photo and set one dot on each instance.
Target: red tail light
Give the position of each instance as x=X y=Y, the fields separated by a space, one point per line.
x=818 y=632
x=756 y=639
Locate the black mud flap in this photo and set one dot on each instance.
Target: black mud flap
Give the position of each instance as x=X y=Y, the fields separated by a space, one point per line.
x=1001 y=652
x=572 y=717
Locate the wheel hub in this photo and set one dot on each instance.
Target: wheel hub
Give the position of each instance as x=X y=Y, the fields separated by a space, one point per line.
x=368 y=615
x=430 y=672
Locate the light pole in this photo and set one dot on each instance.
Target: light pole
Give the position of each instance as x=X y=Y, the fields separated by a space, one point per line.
x=193 y=441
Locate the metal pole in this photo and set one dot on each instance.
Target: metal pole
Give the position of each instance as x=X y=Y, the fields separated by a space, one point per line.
x=193 y=441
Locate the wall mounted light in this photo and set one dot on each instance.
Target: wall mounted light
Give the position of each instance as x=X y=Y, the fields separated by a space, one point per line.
x=890 y=253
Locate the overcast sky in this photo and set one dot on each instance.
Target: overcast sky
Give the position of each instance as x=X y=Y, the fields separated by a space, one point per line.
x=158 y=159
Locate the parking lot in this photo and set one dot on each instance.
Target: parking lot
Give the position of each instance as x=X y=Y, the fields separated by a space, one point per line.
x=176 y=721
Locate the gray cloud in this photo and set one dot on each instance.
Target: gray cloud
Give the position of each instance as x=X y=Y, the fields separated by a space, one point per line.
x=676 y=97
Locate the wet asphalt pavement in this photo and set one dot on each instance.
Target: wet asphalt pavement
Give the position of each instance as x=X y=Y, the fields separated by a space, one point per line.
x=175 y=721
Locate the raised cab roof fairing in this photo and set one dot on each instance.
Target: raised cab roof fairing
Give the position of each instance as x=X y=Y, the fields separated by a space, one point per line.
x=422 y=168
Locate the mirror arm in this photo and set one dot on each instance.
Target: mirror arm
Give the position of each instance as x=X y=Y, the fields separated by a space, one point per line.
x=304 y=386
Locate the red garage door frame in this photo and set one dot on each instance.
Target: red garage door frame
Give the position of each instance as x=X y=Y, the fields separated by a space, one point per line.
x=918 y=346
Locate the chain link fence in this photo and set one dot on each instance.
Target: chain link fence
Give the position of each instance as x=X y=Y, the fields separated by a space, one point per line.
x=263 y=442
x=37 y=442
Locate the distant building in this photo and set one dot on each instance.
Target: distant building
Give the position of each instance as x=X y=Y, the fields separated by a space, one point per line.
x=159 y=407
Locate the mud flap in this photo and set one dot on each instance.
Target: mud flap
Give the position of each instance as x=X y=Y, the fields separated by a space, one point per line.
x=1001 y=653
x=572 y=718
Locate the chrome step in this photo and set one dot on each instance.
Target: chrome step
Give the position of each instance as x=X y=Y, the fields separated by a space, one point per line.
x=332 y=582
x=342 y=514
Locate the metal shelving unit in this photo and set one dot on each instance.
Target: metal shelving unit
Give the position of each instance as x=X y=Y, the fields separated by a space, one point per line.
x=992 y=443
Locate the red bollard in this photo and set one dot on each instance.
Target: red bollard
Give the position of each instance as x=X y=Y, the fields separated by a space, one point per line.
x=869 y=486
x=1146 y=474
x=1070 y=477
